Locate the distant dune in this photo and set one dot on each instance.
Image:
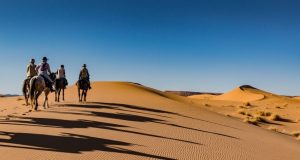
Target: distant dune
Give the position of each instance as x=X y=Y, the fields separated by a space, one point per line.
x=242 y=94
x=298 y=98
x=190 y=93
x=203 y=96
x=253 y=105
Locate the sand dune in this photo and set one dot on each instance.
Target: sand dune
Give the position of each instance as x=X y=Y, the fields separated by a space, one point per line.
x=129 y=121
x=203 y=96
x=249 y=103
x=127 y=92
x=242 y=94
x=297 y=98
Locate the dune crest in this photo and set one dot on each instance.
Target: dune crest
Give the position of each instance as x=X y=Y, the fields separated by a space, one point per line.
x=203 y=96
x=127 y=92
x=242 y=94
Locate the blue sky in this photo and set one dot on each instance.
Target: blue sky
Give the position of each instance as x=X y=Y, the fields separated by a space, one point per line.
x=212 y=45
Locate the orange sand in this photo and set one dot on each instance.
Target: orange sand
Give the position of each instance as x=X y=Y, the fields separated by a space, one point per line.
x=128 y=121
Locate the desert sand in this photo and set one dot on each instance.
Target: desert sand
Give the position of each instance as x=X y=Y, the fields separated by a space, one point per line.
x=124 y=120
x=258 y=106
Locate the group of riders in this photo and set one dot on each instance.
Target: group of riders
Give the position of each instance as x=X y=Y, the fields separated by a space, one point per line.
x=43 y=70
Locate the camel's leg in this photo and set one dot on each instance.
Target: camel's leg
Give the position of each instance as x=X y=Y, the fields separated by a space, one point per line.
x=35 y=101
x=46 y=104
x=63 y=92
x=45 y=100
x=32 y=99
x=55 y=96
x=82 y=96
x=85 y=94
x=26 y=100
x=79 y=94
x=36 y=96
x=59 y=90
x=26 y=96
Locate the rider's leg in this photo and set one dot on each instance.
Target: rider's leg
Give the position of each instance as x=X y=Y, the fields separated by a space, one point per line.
x=50 y=84
x=89 y=83
x=66 y=81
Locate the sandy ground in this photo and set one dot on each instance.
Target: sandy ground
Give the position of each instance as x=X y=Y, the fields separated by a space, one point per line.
x=249 y=103
x=128 y=121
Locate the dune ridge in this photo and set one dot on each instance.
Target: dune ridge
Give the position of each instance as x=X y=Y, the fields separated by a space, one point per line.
x=242 y=94
x=203 y=96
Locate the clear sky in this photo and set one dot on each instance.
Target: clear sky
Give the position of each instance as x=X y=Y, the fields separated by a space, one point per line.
x=209 y=45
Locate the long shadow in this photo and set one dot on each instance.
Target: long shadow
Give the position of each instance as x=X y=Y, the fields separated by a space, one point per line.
x=136 y=107
x=68 y=143
x=138 y=118
x=58 y=123
x=200 y=130
x=135 y=118
x=157 y=111
x=126 y=117
x=129 y=117
x=202 y=120
x=91 y=106
x=97 y=106
x=119 y=116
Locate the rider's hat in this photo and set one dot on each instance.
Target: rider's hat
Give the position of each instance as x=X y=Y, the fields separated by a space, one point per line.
x=32 y=60
x=62 y=66
x=84 y=65
x=45 y=59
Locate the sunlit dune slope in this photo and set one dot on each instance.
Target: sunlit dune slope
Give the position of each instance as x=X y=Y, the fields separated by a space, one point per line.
x=203 y=96
x=128 y=92
x=246 y=94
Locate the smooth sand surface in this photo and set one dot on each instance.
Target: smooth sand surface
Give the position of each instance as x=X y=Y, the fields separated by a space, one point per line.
x=128 y=121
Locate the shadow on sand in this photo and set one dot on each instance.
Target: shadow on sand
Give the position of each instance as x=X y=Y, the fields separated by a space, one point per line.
x=73 y=143
x=68 y=143
x=139 y=109
x=59 y=123
x=139 y=118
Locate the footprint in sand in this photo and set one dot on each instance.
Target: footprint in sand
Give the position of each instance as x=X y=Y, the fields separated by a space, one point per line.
x=3 y=110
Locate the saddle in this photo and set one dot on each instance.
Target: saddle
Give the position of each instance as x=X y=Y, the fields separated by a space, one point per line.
x=46 y=81
x=63 y=80
x=81 y=82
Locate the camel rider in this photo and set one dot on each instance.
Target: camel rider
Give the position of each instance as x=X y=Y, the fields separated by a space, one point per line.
x=61 y=74
x=31 y=72
x=84 y=75
x=43 y=70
